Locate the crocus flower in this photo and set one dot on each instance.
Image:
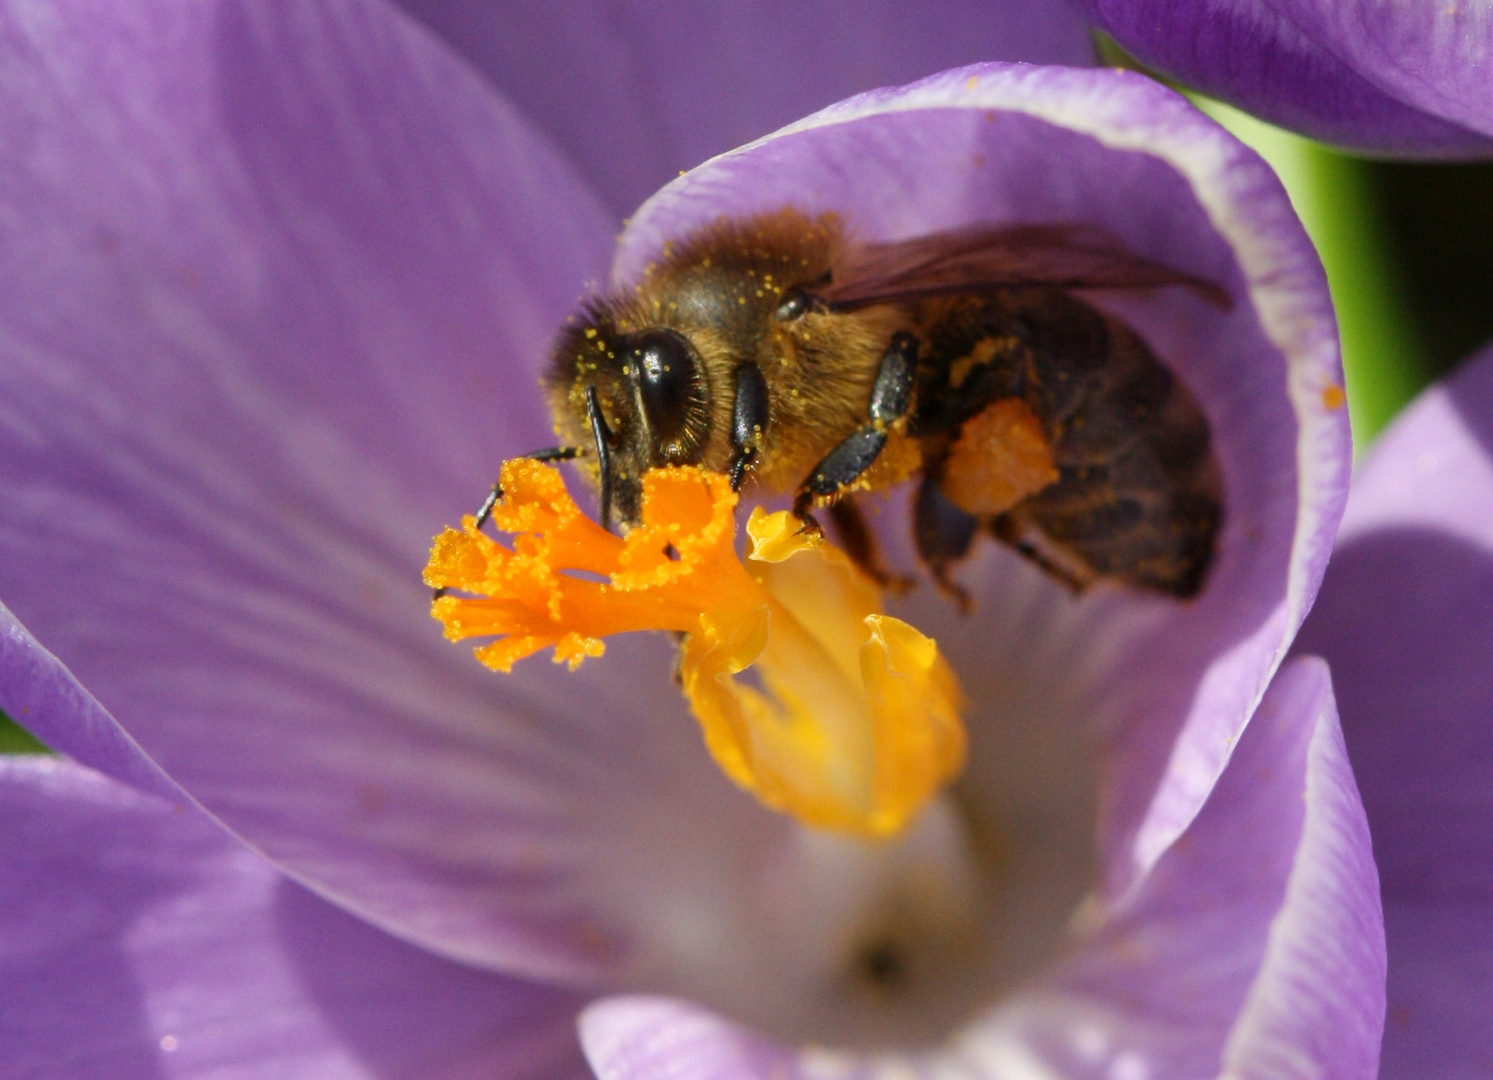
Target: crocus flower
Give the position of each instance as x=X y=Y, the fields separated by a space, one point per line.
x=278 y=281
x=1411 y=79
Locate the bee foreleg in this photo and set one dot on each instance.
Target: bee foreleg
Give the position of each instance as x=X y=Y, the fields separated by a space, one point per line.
x=602 y=436
x=891 y=394
x=748 y=420
x=484 y=512
x=553 y=453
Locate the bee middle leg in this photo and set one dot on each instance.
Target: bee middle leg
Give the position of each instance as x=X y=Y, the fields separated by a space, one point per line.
x=891 y=394
x=859 y=543
x=943 y=535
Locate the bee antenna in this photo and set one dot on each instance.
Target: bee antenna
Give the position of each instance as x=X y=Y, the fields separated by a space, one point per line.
x=603 y=436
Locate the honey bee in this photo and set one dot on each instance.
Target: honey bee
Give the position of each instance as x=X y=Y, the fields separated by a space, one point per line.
x=779 y=351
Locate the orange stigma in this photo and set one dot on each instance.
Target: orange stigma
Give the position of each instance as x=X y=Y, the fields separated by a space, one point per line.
x=853 y=723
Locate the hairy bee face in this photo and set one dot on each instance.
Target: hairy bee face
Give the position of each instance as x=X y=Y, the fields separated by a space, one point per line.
x=681 y=366
x=639 y=398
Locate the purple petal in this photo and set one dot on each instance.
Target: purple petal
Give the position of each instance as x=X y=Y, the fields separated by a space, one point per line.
x=1414 y=79
x=294 y=335
x=1405 y=616
x=668 y=84
x=141 y=941
x=1259 y=934
x=1316 y=1007
x=1171 y=685
x=1255 y=947
x=242 y=384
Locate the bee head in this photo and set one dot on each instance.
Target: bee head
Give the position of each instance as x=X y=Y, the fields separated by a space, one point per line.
x=637 y=398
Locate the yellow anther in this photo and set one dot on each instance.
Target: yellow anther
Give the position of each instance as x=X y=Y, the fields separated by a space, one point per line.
x=854 y=722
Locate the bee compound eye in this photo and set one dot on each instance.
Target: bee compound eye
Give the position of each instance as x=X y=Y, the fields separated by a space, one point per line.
x=794 y=305
x=663 y=367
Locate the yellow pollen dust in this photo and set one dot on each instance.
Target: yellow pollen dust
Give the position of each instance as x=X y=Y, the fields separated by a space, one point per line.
x=852 y=721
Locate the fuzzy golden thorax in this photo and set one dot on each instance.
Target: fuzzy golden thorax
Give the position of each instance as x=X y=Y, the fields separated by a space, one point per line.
x=721 y=291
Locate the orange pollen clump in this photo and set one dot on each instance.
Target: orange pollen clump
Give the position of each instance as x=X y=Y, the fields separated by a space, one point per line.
x=854 y=723
x=1001 y=457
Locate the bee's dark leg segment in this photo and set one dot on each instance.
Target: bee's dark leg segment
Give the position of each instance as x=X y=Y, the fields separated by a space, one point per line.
x=891 y=393
x=858 y=542
x=741 y=461
x=603 y=437
x=890 y=396
x=484 y=512
x=1006 y=529
x=801 y=503
x=748 y=420
x=553 y=453
x=556 y=453
x=943 y=534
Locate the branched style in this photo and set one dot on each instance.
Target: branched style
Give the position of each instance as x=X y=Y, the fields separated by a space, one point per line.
x=779 y=351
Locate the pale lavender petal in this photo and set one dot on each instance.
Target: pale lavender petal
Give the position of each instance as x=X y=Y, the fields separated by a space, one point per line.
x=1255 y=947
x=1316 y=1007
x=37 y=692
x=666 y=85
x=1405 y=616
x=1436 y=57
x=276 y=285
x=1257 y=939
x=628 y=1038
x=1412 y=79
x=1170 y=685
x=141 y=942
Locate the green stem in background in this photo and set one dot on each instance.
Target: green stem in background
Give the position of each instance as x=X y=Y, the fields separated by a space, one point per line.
x=1383 y=361
x=15 y=739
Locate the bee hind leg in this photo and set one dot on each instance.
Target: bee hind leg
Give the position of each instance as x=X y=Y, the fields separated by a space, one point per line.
x=891 y=395
x=1065 y=568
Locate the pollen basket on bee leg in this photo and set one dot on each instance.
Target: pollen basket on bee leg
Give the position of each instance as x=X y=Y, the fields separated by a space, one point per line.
x=1002 y=456
x=854 y=723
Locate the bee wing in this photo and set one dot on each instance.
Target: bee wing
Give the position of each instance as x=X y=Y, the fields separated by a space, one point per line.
x=974 y=260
